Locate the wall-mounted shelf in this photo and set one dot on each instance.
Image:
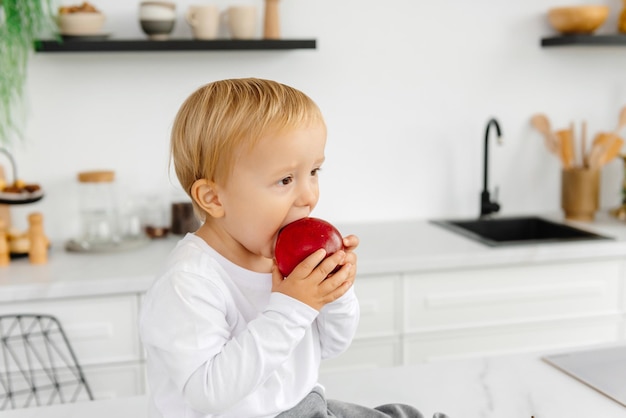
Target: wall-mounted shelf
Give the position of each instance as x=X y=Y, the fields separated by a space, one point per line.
x=584 y=40
x=137 y=45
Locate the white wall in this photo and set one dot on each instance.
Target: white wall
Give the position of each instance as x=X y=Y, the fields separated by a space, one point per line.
x=406 y=86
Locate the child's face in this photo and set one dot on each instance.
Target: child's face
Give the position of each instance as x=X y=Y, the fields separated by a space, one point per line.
x=272 y=185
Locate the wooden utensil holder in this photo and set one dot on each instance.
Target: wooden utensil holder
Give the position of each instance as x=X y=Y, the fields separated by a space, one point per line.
x=580 y=193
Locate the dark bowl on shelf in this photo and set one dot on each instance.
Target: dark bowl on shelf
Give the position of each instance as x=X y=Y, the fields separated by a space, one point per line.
x=157 y=29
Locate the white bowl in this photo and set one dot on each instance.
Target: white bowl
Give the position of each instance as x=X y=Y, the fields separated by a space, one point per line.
x=80 y=23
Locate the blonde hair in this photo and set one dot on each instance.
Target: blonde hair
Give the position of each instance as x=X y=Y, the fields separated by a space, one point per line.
x=222 y=117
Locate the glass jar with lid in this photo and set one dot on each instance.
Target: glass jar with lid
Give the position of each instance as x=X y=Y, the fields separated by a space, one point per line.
x=98 y=207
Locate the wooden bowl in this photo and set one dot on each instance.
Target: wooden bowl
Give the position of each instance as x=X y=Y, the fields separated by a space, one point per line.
x=578 y=19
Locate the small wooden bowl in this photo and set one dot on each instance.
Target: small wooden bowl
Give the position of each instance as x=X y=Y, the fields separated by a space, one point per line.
x=578 y=19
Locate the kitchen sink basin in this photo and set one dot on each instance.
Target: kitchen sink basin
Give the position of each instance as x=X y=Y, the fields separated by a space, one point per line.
x=517 y=231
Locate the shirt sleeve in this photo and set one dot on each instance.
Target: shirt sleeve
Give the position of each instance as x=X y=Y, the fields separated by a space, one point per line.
x=187 y=326
x=337 y=323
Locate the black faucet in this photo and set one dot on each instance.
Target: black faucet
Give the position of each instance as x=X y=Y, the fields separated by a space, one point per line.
x=486 y=205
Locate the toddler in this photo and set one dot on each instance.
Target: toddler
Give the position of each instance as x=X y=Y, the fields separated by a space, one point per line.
x=225 y=334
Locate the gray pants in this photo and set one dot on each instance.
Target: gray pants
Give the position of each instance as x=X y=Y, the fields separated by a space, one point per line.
x=315 y=405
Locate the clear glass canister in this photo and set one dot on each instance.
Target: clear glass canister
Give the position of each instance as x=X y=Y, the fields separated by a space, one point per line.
x=98 y=207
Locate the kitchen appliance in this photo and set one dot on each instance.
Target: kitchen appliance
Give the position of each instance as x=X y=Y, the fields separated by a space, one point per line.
x=603 y=369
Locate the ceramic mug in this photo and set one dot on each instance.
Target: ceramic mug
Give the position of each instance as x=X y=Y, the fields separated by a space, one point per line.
x=204 y=21
x=242 y=21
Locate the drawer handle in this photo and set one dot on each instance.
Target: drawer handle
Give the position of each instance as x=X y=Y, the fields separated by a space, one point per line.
x=522 y=294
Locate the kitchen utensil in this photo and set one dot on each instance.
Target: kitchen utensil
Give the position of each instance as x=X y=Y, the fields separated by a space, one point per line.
x=566 y=147
x=612 y=149
x=578 y=19
x=580 y=193
x=541 y=123
x=621 y=121
x=606 y=146
x=583 y=144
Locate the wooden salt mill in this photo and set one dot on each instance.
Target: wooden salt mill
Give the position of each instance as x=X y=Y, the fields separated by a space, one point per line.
x=38 y=253
x=271 y=24
x=5 y=257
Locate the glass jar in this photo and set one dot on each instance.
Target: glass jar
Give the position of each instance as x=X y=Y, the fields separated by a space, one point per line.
x=98 y=207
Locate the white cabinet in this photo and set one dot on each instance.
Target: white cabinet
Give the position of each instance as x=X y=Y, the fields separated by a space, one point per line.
x=103 y=332
x=425 y=316
x=377 y=342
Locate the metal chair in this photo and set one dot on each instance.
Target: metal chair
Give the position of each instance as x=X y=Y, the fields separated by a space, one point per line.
x=37 y=364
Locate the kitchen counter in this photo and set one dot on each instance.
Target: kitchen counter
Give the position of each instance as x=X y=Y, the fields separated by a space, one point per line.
x=518 y=386
x=386 y=247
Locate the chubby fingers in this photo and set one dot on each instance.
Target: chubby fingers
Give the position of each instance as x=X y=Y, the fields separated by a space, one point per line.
x=350 y=242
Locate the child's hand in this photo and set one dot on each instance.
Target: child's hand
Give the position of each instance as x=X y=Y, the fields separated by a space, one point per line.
x=350 y=243
x=313 y=285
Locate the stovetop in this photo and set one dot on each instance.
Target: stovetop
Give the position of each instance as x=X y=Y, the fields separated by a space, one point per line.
x=604 y=369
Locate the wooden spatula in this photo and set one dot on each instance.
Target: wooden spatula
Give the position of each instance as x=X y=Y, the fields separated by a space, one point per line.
x=612 y=149
x=566 y=147
x=541 y=123
x=621 y=121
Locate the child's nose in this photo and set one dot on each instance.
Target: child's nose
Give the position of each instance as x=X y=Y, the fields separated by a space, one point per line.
x=307 y=195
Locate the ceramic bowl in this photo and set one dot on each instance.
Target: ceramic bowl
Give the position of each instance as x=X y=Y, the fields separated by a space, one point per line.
x=80 y=23
x=157 y=18
x=578 y=19
x=157 y=29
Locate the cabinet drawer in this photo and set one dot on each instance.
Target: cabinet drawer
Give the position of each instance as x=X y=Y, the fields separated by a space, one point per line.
x=511 y=294
x=378 y=299
x=480 y=342
x=100 y=329
x=366 y=354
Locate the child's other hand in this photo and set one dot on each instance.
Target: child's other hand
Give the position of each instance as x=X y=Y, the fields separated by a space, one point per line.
x=310 y=282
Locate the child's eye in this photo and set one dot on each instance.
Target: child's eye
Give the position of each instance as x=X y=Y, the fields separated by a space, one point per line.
x=316 y=171
x=285 y=181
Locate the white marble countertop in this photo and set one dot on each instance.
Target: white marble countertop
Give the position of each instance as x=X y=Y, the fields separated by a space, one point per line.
x=520 y=386
x=389 y=247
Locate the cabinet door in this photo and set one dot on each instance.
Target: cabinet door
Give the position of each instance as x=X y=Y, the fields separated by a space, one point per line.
x=100 y=329
x=380 y=306
x=116 y=381
x=508 y=339
x=510 y=295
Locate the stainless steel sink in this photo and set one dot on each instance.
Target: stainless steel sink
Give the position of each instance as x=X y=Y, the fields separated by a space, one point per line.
x=497 y=232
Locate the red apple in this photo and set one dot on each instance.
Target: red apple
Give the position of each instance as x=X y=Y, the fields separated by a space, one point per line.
x=301 y=238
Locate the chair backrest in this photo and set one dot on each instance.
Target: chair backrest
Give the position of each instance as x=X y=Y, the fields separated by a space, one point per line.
x=37 y=364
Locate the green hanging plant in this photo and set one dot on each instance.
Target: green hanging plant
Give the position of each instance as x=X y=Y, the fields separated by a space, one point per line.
x=21 y=23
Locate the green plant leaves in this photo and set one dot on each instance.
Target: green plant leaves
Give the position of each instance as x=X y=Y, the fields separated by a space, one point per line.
x=21 y=23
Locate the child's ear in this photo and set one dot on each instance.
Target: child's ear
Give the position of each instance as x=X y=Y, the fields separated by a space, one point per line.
x=204 y=193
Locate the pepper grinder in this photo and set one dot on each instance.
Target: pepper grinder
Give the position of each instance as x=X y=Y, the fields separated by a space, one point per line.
x=38 y=253
x=4 y=244
x=271 y=26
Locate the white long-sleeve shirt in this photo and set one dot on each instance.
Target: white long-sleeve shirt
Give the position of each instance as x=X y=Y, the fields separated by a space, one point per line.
x=219 y=343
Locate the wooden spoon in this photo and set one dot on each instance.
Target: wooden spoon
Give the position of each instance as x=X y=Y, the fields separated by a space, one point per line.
x=622 y=120
x=541 y=123
x=612 y=150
